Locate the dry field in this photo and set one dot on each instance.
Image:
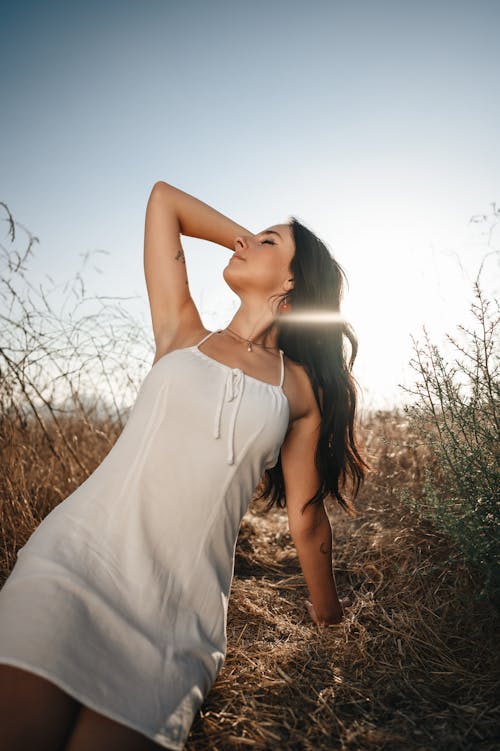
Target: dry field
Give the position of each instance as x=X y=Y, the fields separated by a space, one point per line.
x=414 y=665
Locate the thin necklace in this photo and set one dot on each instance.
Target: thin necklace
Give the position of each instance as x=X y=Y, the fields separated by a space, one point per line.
x=248 y=341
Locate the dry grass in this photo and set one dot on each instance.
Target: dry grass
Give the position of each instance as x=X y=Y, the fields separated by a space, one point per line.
x=413 y=665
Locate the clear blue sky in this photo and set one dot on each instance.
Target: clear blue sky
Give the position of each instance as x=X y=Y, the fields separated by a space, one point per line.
x=376 y=123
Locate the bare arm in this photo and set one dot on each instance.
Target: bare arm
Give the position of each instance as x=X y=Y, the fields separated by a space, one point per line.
x=310 y=529
x=314 y=549
x=198 y=219
x=171 y=212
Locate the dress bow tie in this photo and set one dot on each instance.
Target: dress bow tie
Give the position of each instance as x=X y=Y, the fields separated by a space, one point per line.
x=232 y=388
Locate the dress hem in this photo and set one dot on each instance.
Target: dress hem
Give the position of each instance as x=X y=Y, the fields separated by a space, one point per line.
x=159 y=738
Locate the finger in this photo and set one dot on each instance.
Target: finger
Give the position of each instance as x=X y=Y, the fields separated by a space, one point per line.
x=311 y=611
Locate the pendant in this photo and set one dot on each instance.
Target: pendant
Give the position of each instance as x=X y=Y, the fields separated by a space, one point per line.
x=249 y=348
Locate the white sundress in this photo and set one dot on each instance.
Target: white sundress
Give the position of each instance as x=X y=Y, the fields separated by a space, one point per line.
x=120 y=595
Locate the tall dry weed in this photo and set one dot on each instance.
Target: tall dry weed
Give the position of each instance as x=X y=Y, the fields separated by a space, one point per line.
x=70 y=366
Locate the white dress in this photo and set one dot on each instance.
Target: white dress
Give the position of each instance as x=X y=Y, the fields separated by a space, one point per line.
x=120 y=594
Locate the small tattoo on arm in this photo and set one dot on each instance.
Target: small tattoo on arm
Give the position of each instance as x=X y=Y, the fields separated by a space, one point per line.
x=180 y=255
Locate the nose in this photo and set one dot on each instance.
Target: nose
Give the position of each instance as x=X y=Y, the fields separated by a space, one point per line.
x=239 y=242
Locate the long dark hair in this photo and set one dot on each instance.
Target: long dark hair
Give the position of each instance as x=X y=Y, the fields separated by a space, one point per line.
x=319 y=347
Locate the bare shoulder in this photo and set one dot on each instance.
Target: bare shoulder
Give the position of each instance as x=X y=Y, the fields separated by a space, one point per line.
x=299 y=391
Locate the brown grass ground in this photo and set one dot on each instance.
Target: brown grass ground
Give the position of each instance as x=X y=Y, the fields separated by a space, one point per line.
x=414 y=665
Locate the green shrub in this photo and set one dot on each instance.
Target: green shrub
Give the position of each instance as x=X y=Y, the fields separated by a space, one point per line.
x=456 y=415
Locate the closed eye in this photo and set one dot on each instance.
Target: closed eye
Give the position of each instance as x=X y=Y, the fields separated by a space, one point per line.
x=271 y=242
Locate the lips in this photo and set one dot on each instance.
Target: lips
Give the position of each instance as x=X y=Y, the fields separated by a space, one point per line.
x=236 y=255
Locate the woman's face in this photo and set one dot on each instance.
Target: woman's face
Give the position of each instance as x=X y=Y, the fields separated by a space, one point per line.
x=261 y=262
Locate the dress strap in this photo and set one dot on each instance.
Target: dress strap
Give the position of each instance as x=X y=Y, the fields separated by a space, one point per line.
x=282 y=378
x=206 y=337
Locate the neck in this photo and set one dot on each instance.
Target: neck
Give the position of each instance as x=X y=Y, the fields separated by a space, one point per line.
x=250 y=323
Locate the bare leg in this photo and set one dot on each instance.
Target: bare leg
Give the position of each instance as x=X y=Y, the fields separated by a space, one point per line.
x=34 y=713
x=99 y=733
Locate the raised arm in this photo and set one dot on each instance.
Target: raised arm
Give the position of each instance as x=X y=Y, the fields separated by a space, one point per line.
x=310 y=531
x=171 y=212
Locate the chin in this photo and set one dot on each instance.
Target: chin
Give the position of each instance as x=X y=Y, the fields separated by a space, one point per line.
x=229 y=270
x=227 y=278
x=226 y=273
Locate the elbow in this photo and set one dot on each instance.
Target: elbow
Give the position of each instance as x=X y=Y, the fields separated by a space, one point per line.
x=309 y=525
x=161 y=188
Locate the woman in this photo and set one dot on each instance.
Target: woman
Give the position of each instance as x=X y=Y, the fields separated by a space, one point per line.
x=113 y=619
